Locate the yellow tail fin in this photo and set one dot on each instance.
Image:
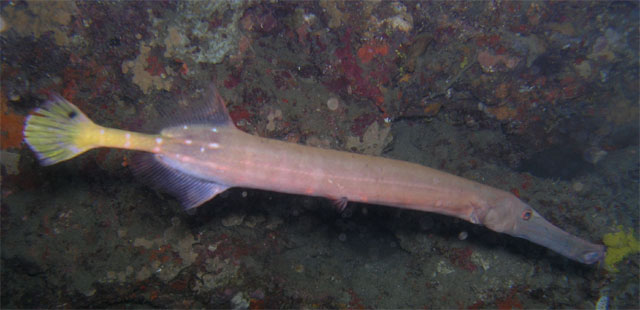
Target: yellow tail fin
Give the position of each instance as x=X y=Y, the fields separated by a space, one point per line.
x=54 y=131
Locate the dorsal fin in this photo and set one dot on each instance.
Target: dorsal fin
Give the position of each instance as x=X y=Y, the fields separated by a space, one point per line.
x=216 y=108
x=210 y=110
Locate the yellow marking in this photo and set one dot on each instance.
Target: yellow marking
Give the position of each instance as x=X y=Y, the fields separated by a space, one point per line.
x=58 y=131
x=93 y=136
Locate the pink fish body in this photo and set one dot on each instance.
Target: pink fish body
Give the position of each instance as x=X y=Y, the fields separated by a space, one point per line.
x=199 y=158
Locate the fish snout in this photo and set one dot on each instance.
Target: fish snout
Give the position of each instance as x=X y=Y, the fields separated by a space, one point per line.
x=594 y=256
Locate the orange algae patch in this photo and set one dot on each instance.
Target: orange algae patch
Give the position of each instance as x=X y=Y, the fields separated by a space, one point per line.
x=510 y=302
x=368 y=51
x=154 y=295
x=432 y=109
x=503 y=113
x=256 y=304
x=165 y=258
x=405 y=78
x=11 y=125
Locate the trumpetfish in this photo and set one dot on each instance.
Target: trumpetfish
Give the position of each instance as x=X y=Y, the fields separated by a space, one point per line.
x=200 y=157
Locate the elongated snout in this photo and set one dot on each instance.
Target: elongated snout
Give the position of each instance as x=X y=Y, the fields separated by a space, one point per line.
x=512 y=216
x=538 y=230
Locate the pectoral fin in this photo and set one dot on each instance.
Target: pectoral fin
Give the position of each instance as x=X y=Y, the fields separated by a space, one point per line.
x=341 y=203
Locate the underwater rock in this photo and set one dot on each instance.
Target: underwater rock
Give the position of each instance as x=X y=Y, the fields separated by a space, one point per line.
x=373 y=141
x=233 y=220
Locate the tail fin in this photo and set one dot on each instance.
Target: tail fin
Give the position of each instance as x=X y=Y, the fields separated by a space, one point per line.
x=54 y=131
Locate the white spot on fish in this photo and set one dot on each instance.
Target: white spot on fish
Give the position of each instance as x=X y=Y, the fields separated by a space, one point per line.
x=102 y=131
x=185 y=127
x=214 y=145
x=201 y=150
x=188 y=142
x=158 y=140
x=214 y=129
x=127 y=136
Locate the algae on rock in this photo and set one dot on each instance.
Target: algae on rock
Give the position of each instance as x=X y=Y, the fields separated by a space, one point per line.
x=374 y=140
x=194 y=20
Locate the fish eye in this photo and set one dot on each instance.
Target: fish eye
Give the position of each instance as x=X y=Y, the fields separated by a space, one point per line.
x=526 y=215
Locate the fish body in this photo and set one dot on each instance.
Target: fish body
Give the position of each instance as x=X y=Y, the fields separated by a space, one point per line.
x=199 y=158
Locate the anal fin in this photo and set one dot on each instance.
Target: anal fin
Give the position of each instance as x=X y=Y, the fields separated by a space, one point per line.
x=189 y=190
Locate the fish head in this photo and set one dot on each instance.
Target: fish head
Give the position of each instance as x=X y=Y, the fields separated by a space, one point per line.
x=512 y=216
